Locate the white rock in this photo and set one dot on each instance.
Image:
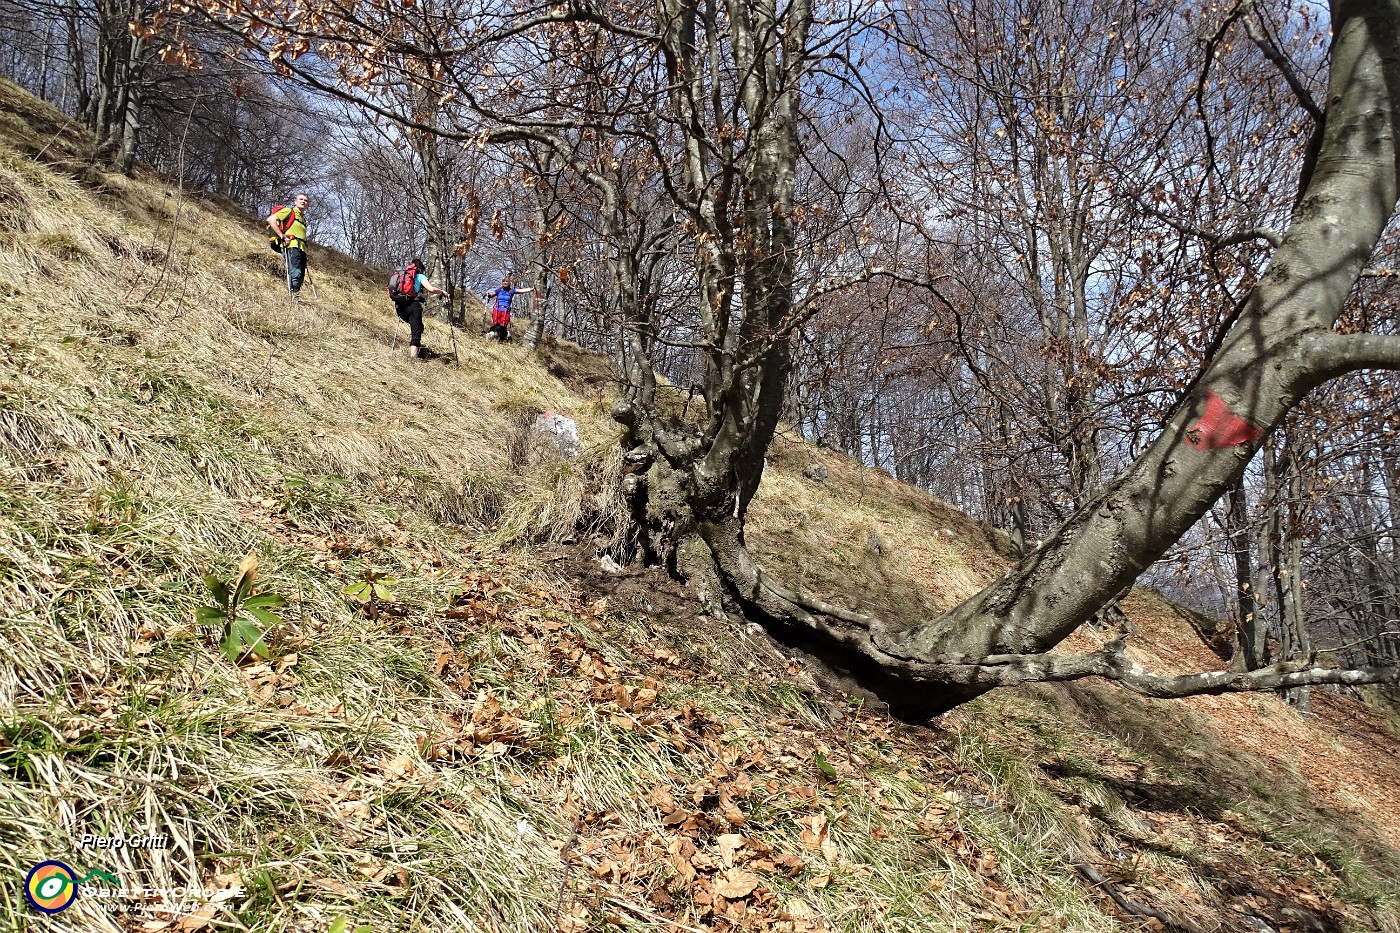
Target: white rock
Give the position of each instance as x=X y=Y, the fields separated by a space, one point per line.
x=562 y=431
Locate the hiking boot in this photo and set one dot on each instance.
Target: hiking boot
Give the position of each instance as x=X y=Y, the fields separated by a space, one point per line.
x=413 y=352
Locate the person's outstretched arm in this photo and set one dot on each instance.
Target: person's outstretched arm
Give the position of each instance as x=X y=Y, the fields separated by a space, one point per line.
x=426 y=284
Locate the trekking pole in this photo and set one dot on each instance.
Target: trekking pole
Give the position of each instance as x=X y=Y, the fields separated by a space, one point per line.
x=395 y=345
x=452 y=325
x=312 y=284
x=287 y=270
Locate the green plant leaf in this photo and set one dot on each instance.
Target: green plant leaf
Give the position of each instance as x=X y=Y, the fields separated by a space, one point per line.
x=338 y=924
x=359 y=591
x=243 y=636
x=241 y=589
x=270 y=619
x=382 y=592
x=825 y=766
x=252 y=637
x=264 y=601
x=232 y=645
x=218 y=589
x=210 y=615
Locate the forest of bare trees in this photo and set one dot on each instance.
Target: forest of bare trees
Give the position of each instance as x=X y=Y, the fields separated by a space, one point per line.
x=1114 y=277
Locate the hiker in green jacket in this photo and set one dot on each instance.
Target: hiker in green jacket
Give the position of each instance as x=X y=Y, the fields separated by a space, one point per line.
x=289 y=225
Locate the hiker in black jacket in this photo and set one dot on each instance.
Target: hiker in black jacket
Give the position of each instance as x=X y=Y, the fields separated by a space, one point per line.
x=406 y=288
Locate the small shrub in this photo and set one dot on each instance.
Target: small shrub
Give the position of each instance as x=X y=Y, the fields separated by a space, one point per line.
x=240 y=610
x=62 y=246
x=370 y=591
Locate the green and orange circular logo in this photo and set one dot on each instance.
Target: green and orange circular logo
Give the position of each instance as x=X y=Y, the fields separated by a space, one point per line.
x=51 y=887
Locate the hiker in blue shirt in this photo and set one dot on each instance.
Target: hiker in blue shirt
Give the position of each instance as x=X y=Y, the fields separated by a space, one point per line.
x=503 y=297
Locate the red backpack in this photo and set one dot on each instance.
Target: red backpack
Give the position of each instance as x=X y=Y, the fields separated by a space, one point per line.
x=404 y=284
x=274 y=240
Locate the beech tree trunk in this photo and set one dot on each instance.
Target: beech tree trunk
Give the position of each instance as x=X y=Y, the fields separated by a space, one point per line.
x=547 y=213
x=697 y=484
x=1252 y=633
x=1279 y=347
x=112 y=110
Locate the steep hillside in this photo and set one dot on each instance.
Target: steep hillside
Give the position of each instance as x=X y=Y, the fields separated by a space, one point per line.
x=517 y=740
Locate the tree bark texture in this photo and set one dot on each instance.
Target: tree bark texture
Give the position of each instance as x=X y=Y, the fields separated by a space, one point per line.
x=741 y=202
x=1251 y=631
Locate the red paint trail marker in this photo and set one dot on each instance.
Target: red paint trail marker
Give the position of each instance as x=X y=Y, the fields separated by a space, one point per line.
x=1220 y=428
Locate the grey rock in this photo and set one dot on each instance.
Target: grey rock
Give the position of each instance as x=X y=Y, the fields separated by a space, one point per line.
x=562 y=432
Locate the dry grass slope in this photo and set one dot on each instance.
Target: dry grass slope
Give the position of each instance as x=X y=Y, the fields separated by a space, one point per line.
x=509 y=747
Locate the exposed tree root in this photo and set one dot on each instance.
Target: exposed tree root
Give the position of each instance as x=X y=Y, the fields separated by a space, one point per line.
x=691 y=523
x=1130 y=906
x=917 y=687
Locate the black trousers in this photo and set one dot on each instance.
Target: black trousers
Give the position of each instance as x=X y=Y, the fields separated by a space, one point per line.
x=411 y=312
x=296 y=267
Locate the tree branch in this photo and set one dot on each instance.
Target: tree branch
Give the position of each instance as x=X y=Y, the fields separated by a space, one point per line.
x=803 y=309
x=1252 y=27
x=1127 y=904
x=1273 y=237
x=870 y=637
x=1214 y=240
x=1331 y=355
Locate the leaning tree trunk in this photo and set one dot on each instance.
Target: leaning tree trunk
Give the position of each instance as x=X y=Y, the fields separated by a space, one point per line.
x=1281 y=346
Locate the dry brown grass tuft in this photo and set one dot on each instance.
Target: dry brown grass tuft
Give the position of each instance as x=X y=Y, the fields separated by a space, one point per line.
x=860 y=537
x=14 y=206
